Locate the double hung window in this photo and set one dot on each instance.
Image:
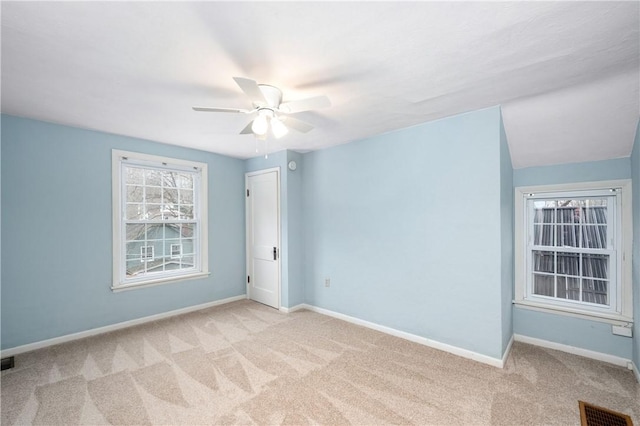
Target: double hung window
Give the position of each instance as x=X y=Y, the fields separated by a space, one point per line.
x=572 y=248
x=159 y=219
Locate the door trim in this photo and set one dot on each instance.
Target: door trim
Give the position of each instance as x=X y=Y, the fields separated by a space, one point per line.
x=247 y=235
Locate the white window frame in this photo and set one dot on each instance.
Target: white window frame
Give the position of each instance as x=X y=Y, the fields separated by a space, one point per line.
x=621 y=311
x=201 y=241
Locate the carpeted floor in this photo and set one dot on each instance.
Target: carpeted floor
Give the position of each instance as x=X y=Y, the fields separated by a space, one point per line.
x=245 y=363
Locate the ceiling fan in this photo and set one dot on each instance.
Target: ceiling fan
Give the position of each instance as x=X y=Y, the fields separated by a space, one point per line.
x=272 y=112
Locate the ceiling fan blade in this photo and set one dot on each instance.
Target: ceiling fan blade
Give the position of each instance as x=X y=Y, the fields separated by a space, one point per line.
x=251 y=88
x=211 y=109
x=316 y=102
x=296 y=124
x=247 y=130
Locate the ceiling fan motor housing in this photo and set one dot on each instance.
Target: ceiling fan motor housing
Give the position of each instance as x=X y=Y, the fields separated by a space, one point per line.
x=272 y=95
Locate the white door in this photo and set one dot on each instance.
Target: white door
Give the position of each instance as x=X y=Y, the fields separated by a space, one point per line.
x=263 y=237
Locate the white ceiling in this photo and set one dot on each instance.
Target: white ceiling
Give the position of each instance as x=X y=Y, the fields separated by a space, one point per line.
x=566 y=73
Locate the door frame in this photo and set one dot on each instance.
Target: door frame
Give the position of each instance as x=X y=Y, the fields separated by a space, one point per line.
x=248 y=227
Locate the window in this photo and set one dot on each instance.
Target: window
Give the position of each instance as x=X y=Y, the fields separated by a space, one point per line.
x=573 y=249
x=159 y=220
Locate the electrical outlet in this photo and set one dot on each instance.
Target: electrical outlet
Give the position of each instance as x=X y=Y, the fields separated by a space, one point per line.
x=327 y=282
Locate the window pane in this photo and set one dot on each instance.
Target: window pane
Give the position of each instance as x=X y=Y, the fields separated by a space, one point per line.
x=153 y=195
x=566 y=213
x=153 y=177
x=155 y=231
x=568 y=263
x=135 y=212
x=187 y=262
x=171 y=235
x=153 y=211
x=568 y=288
x=595 y=265
x=170 y=195
x=169 y=179
x=187 y=246
x=594 y=236
x=543 y=261
x=543 y=211
x=187 y=230
x=135 y=194
x=185 y=180
x=595 y=211
x=568 y=235
x=135 y=232
x=135 y=267
x=186 y=211
x=543 y=235
x=543 y=285
x=134 y=175
x=595 y=291
x=133 y=250
x=170 y=211
x=186 y=196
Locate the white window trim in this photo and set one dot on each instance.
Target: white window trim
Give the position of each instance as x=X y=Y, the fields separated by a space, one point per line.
x=203 y=240
x=625 y=316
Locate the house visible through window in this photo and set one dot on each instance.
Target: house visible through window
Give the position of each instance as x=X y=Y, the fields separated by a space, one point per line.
x=571 y=249
x=160 y=219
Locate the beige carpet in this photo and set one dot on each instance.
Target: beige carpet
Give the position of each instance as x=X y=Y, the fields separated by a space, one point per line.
x=245 y=363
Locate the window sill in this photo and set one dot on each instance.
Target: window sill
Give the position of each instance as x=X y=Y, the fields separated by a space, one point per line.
x=612 y=319
x=158 y=281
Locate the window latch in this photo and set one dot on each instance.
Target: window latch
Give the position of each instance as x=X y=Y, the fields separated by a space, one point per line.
x=275 y=253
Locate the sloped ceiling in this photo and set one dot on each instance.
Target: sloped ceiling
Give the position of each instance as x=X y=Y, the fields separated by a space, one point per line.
x=565 y=73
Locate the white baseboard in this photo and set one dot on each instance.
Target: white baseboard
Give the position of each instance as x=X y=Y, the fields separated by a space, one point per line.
x=636 y=371
x=611 y=359
x=507 y=351
x=465 y=353
x=293 y=308
x=108 y=328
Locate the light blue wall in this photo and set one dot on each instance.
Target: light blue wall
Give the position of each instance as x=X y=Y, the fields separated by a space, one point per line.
x=292 y=290
x=407 y=225
x=506 y=234
x=593 y=171
x=580 y=333
x=635 y=169
x=56 y=218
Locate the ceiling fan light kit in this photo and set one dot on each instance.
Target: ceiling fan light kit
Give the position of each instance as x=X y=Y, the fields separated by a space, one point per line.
x=260 y=124
x=278 y=128
x=267 y=103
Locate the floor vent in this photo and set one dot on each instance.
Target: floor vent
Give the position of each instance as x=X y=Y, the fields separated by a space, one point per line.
x=7 y=363
x=591 y=415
